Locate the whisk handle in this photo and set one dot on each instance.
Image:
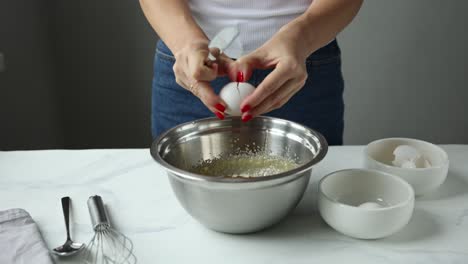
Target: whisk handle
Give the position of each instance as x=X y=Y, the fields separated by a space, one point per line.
x=97 y=212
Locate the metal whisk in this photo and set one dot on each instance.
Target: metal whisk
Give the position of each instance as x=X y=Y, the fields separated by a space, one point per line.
x=107 y=245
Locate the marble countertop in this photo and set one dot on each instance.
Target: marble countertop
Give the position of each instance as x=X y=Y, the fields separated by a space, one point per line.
x=141 y=204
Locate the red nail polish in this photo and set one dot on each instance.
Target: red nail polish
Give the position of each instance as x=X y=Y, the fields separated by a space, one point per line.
x=240 y=76
x=219 y=115
x=220 y=107
x=245 y=108
x=246 y=118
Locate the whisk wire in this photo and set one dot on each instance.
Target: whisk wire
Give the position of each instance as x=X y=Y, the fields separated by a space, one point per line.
x=126 y=243
x=107 y=244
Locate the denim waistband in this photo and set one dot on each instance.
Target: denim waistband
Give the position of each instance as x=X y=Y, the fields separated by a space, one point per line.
x=331 y=50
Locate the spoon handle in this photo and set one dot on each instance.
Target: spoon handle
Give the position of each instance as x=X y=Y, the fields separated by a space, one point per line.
x=66 y=214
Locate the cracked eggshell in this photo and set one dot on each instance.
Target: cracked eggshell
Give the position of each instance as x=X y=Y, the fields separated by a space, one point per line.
x=409 y=157
x=405 y=156
x=233 y=96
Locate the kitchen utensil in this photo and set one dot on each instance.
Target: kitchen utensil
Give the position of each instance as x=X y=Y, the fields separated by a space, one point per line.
x=223 y=39
x=69 y=247
x=107 y=245
x=366 y=204
x=379 y=155
x=238 y=205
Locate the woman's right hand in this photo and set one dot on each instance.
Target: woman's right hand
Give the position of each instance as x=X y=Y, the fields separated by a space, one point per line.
x=193 y=71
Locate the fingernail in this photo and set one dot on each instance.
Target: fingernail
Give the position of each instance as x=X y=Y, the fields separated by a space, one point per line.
x=240 y=76
x=245 y=108
x=220 y=107
x=219 y=115
x=246 y=118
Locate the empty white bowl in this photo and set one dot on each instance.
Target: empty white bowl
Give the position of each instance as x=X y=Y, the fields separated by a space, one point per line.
x=387 y=203
x=379 y=155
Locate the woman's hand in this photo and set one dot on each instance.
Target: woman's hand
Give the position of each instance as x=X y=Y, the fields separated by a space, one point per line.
x=288 y=50
x=287 y=78
x=193 y=71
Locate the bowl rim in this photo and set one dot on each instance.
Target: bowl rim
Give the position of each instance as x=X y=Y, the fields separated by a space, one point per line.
x=186 y=175
x=386 y=174
x=442 y=165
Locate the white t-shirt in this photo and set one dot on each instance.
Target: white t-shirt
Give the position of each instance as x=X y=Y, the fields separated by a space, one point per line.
x=257 y=20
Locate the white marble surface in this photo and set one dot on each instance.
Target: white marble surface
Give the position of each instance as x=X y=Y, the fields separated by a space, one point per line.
x=141 y=204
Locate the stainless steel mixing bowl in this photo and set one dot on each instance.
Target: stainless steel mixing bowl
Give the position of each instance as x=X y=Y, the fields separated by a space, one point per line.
x=238 y=205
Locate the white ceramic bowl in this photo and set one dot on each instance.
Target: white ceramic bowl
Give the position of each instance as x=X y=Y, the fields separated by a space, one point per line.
x=379 y=155
x=341 y=193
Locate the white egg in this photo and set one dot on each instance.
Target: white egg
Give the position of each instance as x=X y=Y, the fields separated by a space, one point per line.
x=370 y=205
x=233 y=94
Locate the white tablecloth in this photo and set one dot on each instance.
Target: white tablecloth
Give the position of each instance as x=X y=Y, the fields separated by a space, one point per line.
x=141 y=204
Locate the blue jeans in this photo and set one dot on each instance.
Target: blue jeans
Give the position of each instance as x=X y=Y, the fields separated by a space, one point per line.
x=318 y=105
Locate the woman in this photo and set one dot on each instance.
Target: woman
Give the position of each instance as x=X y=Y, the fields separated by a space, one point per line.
x=287 y=49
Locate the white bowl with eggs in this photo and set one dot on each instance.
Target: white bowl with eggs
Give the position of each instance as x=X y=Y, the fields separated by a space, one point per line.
x=365 y=204
x=425 y=174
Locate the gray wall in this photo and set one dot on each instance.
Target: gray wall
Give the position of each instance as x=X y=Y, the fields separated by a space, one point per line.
x=406 y=71
x=79 y=73
x=104 y=56
x=29 y=112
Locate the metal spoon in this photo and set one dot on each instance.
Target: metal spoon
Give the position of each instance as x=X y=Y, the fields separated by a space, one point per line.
x=70 y=247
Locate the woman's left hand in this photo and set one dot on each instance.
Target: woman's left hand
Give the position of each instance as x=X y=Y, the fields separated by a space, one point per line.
x=287 y=78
